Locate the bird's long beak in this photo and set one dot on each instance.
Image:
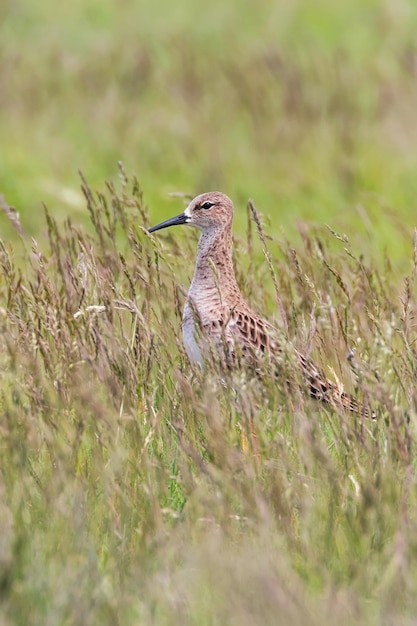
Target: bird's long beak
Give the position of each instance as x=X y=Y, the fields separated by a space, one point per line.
x=173 y=221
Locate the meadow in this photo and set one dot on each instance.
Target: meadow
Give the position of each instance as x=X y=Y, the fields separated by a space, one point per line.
x=130 y=492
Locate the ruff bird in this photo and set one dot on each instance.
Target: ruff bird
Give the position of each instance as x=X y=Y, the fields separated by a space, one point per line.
x=217 y=319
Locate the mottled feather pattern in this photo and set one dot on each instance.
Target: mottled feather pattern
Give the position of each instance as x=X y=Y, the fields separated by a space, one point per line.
x=258 y=335
x=252 y=331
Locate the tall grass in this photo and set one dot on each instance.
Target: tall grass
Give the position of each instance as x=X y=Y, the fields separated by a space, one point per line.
x=129 y=493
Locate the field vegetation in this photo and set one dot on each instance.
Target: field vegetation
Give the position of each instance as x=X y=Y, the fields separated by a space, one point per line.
x=131 y=491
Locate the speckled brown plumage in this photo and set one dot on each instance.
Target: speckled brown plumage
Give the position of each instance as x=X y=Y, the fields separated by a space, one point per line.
x=217 y=320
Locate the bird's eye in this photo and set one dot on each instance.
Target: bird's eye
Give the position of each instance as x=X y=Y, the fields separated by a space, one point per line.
x=207 y=205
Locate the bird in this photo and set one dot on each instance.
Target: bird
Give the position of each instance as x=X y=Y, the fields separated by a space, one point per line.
x=218 y=321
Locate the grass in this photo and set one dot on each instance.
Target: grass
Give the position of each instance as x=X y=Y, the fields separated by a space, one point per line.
x=129 y=493
x=126 y=495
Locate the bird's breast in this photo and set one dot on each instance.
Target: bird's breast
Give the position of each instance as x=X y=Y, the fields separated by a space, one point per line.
x=193 y=347
x=205 y=329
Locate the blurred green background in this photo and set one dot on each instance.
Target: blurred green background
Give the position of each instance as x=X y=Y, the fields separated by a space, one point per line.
x=308 y=107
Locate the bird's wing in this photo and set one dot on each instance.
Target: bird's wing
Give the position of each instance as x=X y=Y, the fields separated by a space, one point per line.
x=321 y=388
x=259 y=337
x=250 y=331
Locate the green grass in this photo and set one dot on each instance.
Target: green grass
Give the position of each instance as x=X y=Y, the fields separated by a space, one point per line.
x=127 y=495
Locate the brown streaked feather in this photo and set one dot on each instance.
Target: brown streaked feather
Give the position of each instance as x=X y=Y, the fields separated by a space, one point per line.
x=256 y=334
x=252 y=330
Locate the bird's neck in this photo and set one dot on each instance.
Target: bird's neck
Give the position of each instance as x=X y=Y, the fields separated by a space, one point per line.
x=214 y=272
